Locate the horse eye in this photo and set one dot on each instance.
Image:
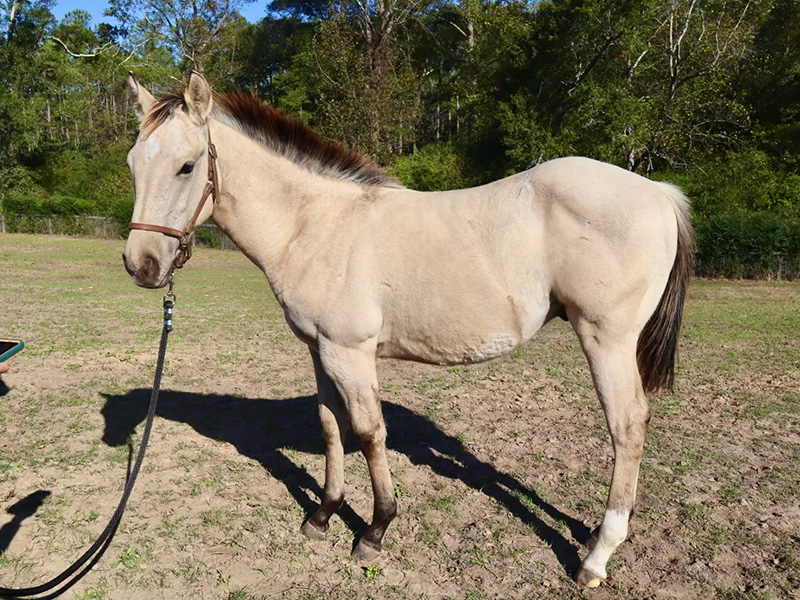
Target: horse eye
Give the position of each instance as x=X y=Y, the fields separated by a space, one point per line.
x=186 y=168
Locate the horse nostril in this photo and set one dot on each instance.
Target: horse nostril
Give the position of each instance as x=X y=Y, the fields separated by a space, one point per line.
x=150 y=266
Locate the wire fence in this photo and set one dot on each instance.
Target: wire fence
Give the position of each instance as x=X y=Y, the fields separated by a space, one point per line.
x=208 y=235
x=779 y=266
x=736 y=260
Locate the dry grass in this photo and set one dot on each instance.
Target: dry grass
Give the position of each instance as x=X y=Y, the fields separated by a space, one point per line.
x=499 y=468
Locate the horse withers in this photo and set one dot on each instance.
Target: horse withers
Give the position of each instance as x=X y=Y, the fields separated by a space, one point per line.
x=366 y=269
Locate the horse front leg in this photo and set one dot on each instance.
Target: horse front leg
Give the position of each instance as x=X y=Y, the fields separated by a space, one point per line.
x=619 y=388
x=335 y=423
x=353 y=371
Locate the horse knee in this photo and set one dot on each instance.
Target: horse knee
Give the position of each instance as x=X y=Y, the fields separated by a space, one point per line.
x=631 y=436
x=372 y=438
x=628 y=428
x=369 y=428
x=331 y=436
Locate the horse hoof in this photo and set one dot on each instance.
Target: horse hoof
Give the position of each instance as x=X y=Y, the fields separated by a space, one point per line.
x=365 y=551
x=313 y=532
x=587 y=578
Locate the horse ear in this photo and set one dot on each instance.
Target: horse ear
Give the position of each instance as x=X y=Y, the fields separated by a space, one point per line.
x=142 y=99
x=198 y=96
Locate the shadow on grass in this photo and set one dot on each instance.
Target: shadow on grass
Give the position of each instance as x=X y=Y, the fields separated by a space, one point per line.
x=21 y=510
x=260 y=428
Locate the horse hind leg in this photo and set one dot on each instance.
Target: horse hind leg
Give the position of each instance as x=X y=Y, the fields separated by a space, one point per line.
x=612 y=360
x=335 y=423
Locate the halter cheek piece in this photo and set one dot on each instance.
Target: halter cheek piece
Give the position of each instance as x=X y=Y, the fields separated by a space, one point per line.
x=183 y=236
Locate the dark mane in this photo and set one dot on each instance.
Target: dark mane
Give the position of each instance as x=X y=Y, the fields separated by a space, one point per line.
x=293 y=139
x=281 y=133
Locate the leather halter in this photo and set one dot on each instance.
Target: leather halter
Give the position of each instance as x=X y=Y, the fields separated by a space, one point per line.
x=184 y=236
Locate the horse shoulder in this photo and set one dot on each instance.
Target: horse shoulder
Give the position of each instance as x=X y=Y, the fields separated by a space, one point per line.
x=329 y=280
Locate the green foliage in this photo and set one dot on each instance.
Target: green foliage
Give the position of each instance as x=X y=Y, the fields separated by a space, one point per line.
x=740 y=181
x=746 y=210
x=272 y=44
x=448 y=95
x=131 y=558
x=527 y=138
x=372 y=572
x=610 y=123
x=364 y=96
x=68 y=184
x=46 y=204
x=747 y=245
x=434 y=167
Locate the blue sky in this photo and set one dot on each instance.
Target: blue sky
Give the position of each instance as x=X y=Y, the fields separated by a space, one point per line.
x=252 y=12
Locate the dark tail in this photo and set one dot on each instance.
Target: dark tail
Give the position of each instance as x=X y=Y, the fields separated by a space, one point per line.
x=658 y=342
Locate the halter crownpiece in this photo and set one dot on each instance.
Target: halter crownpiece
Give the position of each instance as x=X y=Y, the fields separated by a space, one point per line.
x=183 y=236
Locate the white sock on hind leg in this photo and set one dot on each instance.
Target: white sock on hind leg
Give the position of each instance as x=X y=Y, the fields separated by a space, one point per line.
x=612 y=534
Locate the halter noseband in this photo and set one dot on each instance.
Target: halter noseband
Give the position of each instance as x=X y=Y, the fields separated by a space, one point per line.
x=183 y=236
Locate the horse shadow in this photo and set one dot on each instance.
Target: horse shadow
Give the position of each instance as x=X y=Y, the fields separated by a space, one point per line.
x=260 y=428
x=21 y=510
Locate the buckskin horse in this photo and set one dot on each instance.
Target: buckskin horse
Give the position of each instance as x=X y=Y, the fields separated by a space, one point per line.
x=364 y=269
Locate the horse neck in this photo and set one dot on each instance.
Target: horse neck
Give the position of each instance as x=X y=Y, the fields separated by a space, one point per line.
x=267 y=200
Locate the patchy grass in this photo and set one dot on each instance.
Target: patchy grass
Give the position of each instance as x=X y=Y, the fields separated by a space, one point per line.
x=500 y=469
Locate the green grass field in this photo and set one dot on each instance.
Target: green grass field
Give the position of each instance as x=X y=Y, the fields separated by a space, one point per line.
x=499 y=468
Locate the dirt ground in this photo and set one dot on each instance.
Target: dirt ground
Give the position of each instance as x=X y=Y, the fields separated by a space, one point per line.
x=501 y=469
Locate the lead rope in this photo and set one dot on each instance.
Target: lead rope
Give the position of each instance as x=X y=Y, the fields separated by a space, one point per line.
x=97 y=549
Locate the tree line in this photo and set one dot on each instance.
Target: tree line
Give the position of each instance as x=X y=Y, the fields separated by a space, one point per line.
x=443 y=93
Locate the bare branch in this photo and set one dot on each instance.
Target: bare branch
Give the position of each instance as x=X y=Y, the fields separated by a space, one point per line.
x=632 y=67
x=735 y=28
x=94 y=52
x=130 y=56
x=685 y=26
x=457 y=28
x=579 y=77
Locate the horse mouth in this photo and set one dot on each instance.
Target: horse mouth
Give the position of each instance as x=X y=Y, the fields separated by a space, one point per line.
x=149 y=283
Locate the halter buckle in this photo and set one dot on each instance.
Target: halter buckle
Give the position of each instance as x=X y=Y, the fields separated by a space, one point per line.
x=184 y=252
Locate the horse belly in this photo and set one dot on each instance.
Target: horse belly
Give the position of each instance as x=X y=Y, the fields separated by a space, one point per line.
x=485 y=348
x=445 y=352
x=469 y=337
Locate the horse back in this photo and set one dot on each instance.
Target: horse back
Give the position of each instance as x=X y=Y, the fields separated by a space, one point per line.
x=467 y=275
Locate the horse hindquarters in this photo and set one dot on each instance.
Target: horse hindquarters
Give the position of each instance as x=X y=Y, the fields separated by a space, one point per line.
x=625 y=363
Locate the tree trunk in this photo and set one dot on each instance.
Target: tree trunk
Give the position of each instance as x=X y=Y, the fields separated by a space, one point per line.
x=13 y=18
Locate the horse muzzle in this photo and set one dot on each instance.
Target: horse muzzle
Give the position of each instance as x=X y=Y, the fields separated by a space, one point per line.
x=147 y=270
